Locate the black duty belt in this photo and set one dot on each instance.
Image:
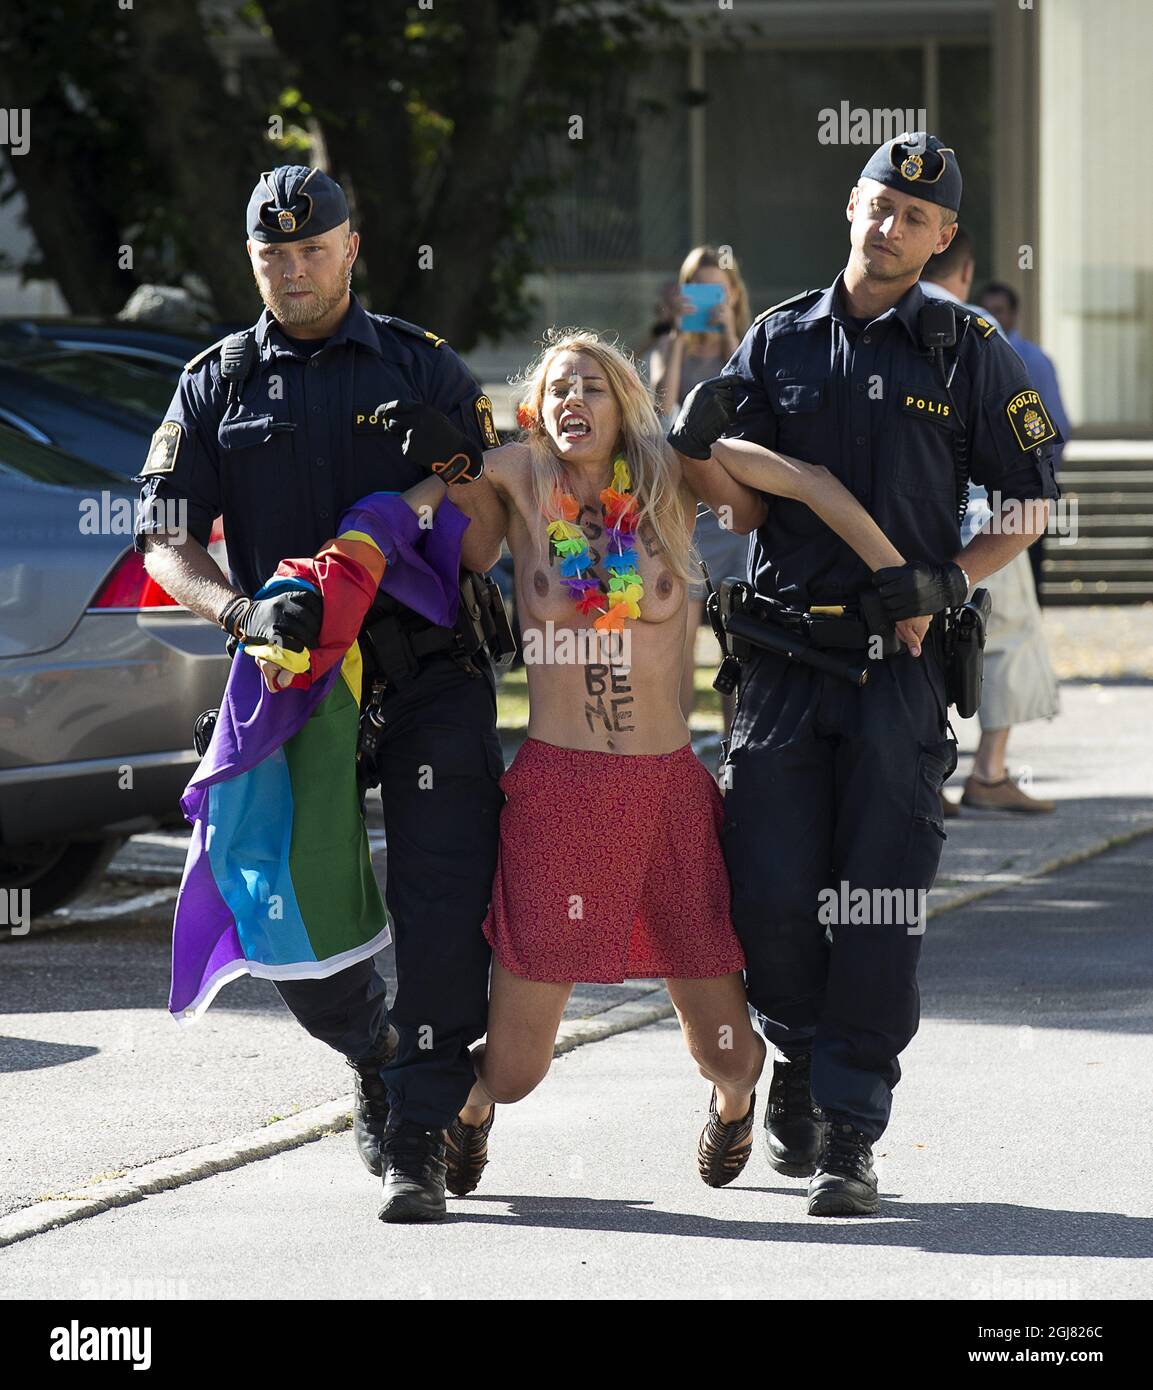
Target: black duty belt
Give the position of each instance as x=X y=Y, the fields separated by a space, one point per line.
x=838 y=638
x=394 y=652
x=396 y=642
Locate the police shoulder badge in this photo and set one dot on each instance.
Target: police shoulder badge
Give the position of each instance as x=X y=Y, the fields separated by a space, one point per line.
x=162 y=451
x=487 y=424
x=1030 y=422
x=984 y=325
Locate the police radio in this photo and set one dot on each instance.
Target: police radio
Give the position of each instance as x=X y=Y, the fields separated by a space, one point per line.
x=938 y=326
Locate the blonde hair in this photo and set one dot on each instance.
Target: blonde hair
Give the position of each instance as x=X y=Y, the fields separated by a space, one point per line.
x=642 y=442
x=708 y=257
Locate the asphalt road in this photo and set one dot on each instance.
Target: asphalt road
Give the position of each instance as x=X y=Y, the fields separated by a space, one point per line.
x=1016 y=1165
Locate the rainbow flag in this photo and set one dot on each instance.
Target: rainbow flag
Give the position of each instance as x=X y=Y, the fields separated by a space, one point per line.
x=278 y=881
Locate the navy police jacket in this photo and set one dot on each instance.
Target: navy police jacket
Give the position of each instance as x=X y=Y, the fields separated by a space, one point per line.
x=303 y=442
x=867 y=401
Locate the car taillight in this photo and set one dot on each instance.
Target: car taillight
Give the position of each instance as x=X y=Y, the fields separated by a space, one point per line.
x=131 y=586
x=216 y=546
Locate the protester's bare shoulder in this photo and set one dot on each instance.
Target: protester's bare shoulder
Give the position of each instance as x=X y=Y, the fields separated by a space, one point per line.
x=508 y=467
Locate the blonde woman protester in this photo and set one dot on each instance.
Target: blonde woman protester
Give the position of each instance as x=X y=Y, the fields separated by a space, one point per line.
x=610 y=865
x=679 y=361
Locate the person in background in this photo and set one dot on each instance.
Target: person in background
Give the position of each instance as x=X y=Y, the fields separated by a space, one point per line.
x=1001 y=302
x=1019 y=683
x=679 y=361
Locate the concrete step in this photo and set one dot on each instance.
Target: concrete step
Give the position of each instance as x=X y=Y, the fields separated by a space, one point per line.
x=1075 y=591
x=1085 y=567
x=1128 y=547
x=1106 y=480
x=1114 y=524
x=1113 y=504
x=1108 y=453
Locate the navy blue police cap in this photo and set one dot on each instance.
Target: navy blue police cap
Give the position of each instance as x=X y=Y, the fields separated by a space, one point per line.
x=293 y=202
x=919 y=164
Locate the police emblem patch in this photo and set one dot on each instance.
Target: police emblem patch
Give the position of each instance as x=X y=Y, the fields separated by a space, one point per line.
x=486 y=422
x=287 y=221
x=911 y=167
x=162 y=451
x=1031 y=423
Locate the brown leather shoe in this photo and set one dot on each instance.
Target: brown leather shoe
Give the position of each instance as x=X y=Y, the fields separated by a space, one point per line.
x=1004 y=795
x=949 y=809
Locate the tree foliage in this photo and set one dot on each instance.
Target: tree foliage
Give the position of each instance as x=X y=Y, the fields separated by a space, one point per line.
x=149 y=126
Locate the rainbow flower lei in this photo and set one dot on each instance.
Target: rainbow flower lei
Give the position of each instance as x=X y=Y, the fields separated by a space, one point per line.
x=622 y=597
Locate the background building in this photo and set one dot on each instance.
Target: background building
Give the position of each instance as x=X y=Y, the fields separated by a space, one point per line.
x=742 y=140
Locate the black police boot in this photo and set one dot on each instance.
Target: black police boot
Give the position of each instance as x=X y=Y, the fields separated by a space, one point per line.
x=414 y=1172
x=844 y=1183
x=793 y=1124
x=370 y=1108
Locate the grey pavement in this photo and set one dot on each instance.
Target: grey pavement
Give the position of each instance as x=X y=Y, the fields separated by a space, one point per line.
x=1016 y=1165
x=95 y=1079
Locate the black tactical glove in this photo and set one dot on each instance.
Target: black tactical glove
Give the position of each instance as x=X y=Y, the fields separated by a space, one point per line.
x=291 y=619
x=708 y=411
x=432 y=442
x=914 y=590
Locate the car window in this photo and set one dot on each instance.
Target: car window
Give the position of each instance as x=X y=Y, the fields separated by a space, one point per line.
x=108 y=378
x=40 y=463
x=168 y=368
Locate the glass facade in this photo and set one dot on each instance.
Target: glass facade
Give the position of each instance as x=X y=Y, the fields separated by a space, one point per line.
x=724 y=144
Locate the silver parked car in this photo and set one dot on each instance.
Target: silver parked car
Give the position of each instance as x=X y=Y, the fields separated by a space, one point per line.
x=102 y=676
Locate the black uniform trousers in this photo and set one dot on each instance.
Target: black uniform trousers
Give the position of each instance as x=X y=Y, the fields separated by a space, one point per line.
x=835 y=785
x=439 y=764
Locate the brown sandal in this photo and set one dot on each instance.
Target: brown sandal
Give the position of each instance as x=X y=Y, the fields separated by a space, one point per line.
x=724 y=1148
x=466 y=1154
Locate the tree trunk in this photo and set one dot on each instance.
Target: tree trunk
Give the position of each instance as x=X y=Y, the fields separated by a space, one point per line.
x=62 y=180
x=361 y=60
x=210 y=143
x=346 y=56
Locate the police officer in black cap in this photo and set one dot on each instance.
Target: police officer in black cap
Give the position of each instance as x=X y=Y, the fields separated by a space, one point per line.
x=278 y=430
x=833 y=787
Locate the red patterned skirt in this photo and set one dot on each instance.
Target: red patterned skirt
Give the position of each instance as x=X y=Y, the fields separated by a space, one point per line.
x=611 y=868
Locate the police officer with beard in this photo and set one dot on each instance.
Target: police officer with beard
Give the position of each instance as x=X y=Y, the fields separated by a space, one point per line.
x=277 y=430
x=834 y=786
